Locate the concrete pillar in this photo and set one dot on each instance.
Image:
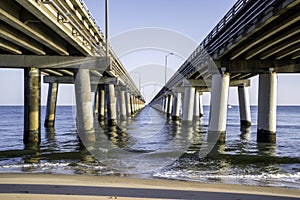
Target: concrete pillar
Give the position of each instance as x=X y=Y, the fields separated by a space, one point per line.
x=201 y=111
x=123 y=111
x=51 y=105
x=169 y=106
x=96 y=102
x=135 y=104
x=267 y=105
x=165 y=104
x=188 y=107
x=118 y=102
x=84 y=105
x=132 y=104
x=219 y=100
x=32 y=102
x=111 y=104
x=128 y=104
x=176 y=106
x=244 y=105
x=101 y=103
x=196 y=106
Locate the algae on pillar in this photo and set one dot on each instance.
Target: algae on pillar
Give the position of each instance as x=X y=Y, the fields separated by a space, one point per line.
x=32 y=102
x=51 y=105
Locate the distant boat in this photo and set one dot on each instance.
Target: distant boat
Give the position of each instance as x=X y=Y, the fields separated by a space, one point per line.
x=229 y=106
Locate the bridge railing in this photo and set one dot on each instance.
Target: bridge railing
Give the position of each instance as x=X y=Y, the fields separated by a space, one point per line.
x=237 y=7
x=80 y=29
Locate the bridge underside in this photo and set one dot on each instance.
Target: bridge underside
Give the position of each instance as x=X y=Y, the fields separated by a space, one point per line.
x=256 y=37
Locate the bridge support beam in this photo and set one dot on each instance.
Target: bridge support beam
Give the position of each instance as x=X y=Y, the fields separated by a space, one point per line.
x=176 y=106
x=132 y=104
x=197 y=106
x=101 y=102
x=51 y=105
x=128 y=104
x=96 y=101
x=170 y=105
x=201 y=112
x=32 y=109
x=111 y=104
x=218 y=107
x=162 y=104
x=84 y=105
x=244 y=106
x=267 y=105
x=188 y=107
x=122 y=102
x=166 y=99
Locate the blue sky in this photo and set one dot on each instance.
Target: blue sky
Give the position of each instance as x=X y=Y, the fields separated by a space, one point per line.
x=193 y=19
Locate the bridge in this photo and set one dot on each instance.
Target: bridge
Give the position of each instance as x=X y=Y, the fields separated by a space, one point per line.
x=60 y=40
x=256 y=37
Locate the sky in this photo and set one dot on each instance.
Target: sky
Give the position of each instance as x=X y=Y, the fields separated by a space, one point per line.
x=142 y=33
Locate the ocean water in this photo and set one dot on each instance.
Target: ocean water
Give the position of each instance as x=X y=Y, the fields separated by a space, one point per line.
x=150 y=146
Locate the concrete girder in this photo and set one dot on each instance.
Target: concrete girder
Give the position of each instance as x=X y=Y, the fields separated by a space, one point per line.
x=51 y=20
x=34 y=34
x=285 y=23
x=10 y=47
x=19 y=39
x=280 y=47
x=54 y=62
x=272 y=42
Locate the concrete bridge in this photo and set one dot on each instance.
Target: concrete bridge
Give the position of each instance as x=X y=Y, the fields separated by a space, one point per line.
x=60 y=40
x=256 y=37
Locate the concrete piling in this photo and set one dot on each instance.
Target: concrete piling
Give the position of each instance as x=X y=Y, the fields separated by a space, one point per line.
x=111 y=104
x=218 y=107
x=188 y=107
x=244 y=106
x=101 y=103
x=122 y=104
x=176 y=106
x=267 y=108
x=197 y=106
x=128 y=104
x=32 y=102
x=51 y=105
x=84 y=105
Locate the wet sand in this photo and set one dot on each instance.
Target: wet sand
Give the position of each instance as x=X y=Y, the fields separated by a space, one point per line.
x=65 y=187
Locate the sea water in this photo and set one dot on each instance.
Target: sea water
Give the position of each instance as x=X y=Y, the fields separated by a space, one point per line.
x=240 y=160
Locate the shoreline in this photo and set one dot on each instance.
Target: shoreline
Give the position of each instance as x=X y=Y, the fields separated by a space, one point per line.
x=37 y=186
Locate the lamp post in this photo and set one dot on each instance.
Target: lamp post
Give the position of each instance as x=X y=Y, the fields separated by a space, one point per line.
x=166 y=65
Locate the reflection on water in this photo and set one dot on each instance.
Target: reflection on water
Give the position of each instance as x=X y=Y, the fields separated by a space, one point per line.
x=150 y=145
